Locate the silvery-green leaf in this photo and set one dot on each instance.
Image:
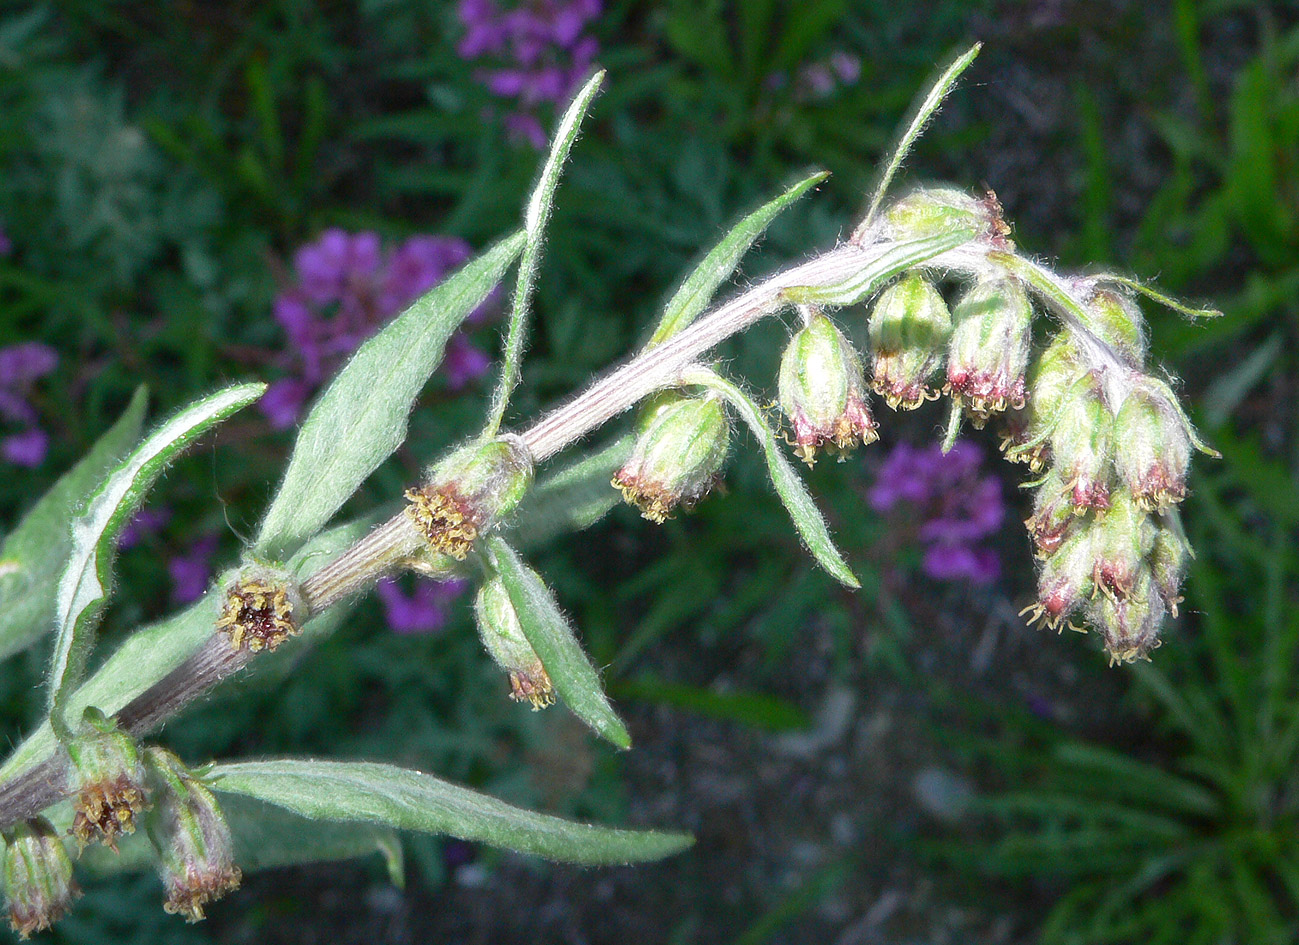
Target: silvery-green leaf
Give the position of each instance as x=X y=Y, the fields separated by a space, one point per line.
x=410 y=800
x=806 y=517
x=572 y=499
x=153 y=651
x=34 y=553
x=925 y=110
x=534 y=228
x=698 y=289
x=896 y=259
x=265 y=837
x=361 y=418
x=550 y=635
x=84 y=586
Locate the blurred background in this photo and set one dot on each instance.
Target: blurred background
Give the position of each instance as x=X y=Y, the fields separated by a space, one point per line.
x=193 y=193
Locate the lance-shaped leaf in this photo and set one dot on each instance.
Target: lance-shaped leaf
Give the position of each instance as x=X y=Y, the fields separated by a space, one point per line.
x=411 y=800
x=926 y=108
x=698 y=289
x=550 y=635
x=153 y=651
x=34 y=553
x=797 y=501
x=897 y=258
x=361 y=418
x=534 y=229
x=83 y=588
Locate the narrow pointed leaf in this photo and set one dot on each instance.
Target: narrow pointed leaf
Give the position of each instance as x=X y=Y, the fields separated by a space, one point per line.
x=360 y=419
x=925 y=110
x=534 y=228
x=153 y=651
x=84 y=585
x=410 y=800
x=546 y=628
x=33 y=554
x=797 y=501
x=697 y=291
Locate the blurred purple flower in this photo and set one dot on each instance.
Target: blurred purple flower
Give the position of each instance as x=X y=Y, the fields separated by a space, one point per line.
x=344 y=287
x=6 y=244
x=424 y=610
x=146 y=522
x=952 y=504
x=21 y=365
x=535 y=53
x=192 y=572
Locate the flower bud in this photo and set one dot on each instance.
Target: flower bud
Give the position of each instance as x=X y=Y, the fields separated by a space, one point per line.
x=502 y=635
x=676 y=457
x=469 y=492
x=1131 y=624
x=1114 y=317
x=989 y=349
x=1066 y=580
x=107 y=781
x=820 y=389
x=1170 y=554
x=1053 y=517
x=1082 y=445
x=259 y=607
x=909 y=328
x=932 y=211
x=1123 y=537
x=1152 y=449
x=195 y=850
x=1049 y=379
x=39 y=886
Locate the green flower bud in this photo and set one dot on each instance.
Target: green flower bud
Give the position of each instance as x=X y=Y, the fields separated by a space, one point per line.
x=1124 y=536
x=1049 y=380
x=932 y=211
x=989 y=349
x=821 y=390
x=502 y=636
x=1170 y=555
x=106 y=778
x=1082 y=445
x=676 y=457
x=469 y=492
x=1053 y=518
x=39 y=887
x=909 y=328
x=1130 y=624
x=1065 y=582
x=1152 y=448
x=259 y=607
x=1114 y=317
x=195 y=850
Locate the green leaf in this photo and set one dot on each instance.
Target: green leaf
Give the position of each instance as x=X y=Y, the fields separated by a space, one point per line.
x=757 y=709
x=572 y=499
x=807 y=518
x=84 y=587
x=360 y=419
x=924 y=112
x=34 y=553
x=152 y=652
x=534 y=228
x=895 y=259
x=410 y=800
x=570 y=671
x=697 y=291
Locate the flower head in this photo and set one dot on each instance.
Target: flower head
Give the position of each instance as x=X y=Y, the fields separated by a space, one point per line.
x=822 y=392
x=38 y=882
x=682 y=445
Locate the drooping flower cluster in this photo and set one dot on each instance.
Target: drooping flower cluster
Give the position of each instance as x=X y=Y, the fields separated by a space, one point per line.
x=534 y=54
x=954 y=504
x=344 y=287
x=21 y=365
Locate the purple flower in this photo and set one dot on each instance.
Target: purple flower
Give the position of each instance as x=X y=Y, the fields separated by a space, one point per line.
x=146 y=521
x=26 y=448
x=21 y=365
x=192 y=572
x=6 y=244
x=424 y=610
x=345 y=286
x=949 y=503
x=464 y=363
x=534 y=55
